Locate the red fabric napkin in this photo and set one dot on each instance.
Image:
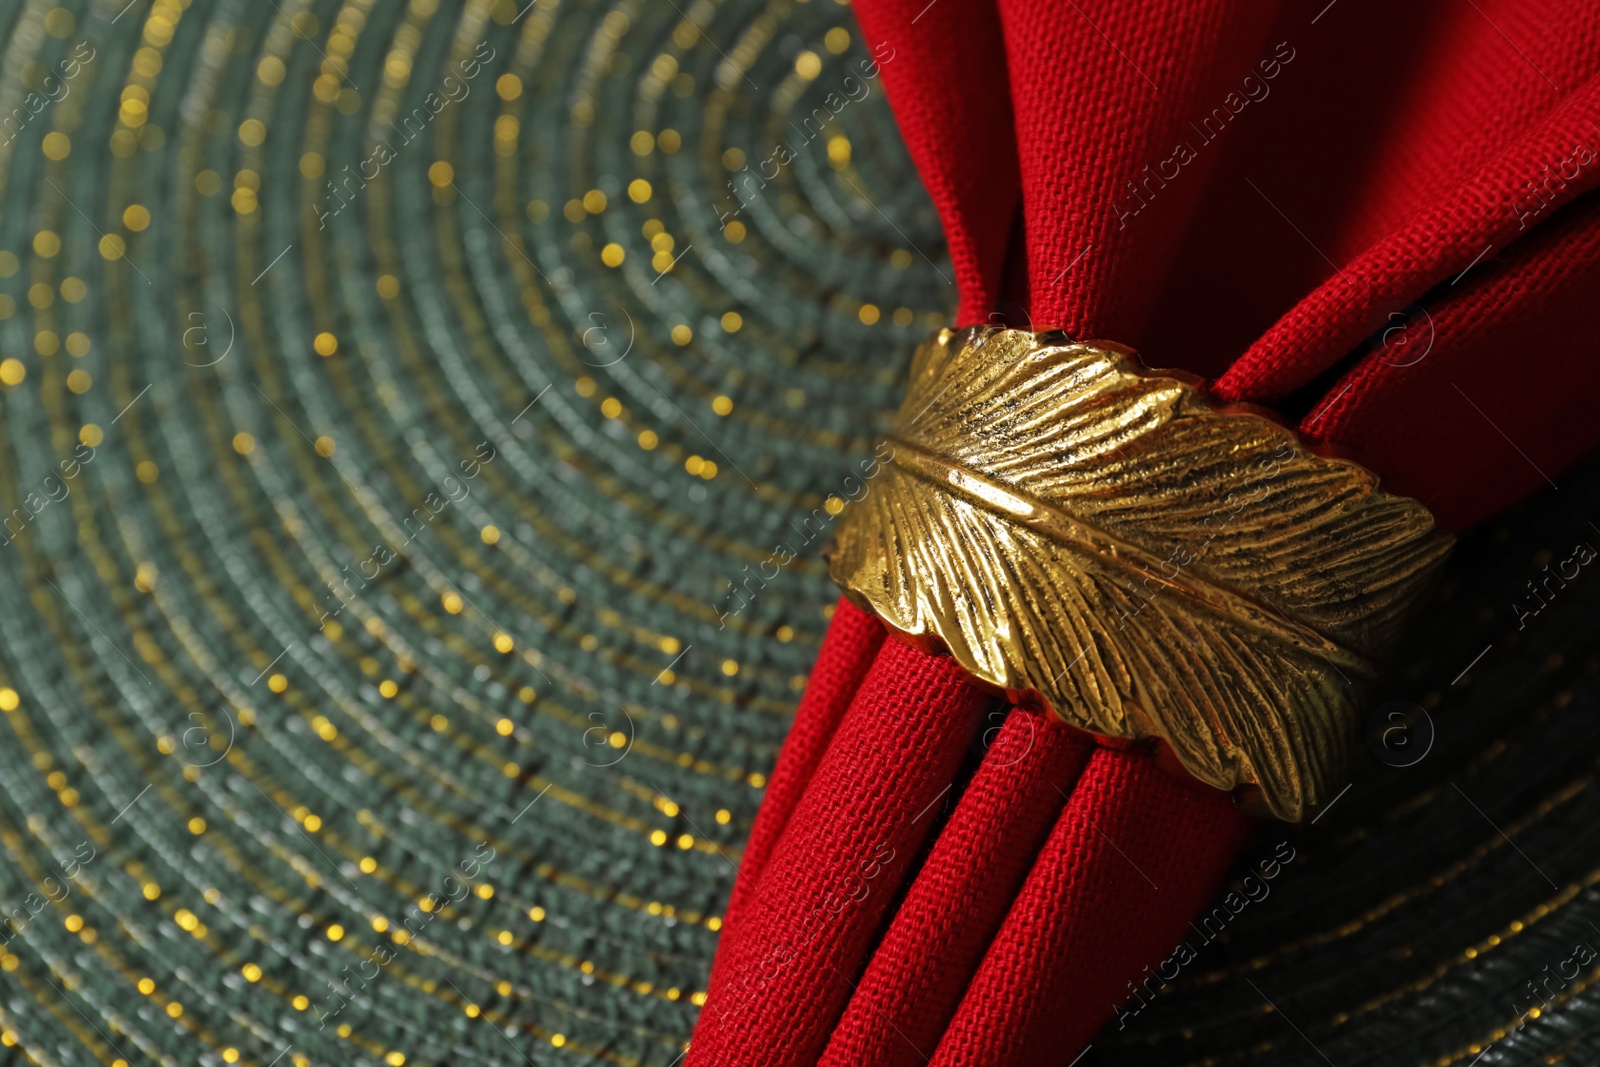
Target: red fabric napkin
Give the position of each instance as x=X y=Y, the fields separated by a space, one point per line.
x=1369 y=216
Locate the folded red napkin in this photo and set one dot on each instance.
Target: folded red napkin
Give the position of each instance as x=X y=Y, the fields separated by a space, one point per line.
x=1370 y=216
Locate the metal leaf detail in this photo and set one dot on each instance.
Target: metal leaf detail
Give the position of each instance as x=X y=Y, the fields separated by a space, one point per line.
x=1084 y=533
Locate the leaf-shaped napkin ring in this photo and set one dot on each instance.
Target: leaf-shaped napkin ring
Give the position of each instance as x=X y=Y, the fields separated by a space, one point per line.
x=1101 y=539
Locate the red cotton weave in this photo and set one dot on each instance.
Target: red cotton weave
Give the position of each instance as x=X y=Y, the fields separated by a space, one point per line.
x=783 y=977
x=848 y=650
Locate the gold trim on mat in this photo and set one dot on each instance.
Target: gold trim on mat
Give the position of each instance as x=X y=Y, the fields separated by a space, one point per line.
x=1101 y=539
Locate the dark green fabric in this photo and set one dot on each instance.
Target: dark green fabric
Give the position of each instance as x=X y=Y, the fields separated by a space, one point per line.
x=265 y=692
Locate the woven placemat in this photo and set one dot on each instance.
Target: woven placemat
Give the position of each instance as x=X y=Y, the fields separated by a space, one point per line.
x=420 y=423
x=417 y=455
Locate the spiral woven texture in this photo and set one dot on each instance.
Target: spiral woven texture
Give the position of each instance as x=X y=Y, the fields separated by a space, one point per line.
x=388 y=640
x=420 y=424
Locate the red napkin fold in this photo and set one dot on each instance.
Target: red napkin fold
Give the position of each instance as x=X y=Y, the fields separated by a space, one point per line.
x=1371 y=216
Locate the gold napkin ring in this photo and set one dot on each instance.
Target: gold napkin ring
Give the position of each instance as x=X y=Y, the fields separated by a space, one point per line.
x=1102 y=540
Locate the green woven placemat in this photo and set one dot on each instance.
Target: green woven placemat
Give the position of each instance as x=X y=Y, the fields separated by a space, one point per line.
x=418 y=459
x=420 y=422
